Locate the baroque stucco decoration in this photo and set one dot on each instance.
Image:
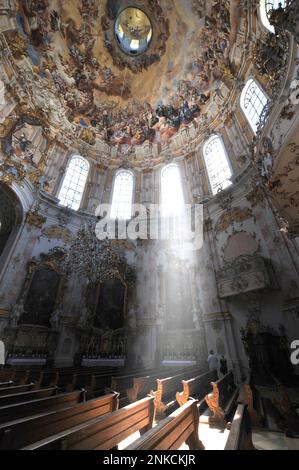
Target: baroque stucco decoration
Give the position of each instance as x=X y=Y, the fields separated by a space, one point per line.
x=56 y=232
x=72 y=85
x=245 y=274
x=235 y=215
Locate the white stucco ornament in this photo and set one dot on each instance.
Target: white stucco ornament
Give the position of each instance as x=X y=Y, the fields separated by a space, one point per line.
x=294 y=95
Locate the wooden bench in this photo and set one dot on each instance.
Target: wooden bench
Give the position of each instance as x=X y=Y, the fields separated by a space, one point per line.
x=7 y=374
x=240 y=436
x=143 y=385
x=7 y=384
x=287 y=410
x=222 y=400
x=21 y=433
x=165 y=395
x=196 y=387
x=103 y=381
x=11 y=390
x=6 y=400
x=42 y=405
x=175 y=430
x=103 y=433
x=74 y=379
x=246 y=397
x=84 y=379
x=122 y=383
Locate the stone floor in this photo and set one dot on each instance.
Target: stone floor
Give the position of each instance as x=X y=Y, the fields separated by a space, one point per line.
x=266 y=440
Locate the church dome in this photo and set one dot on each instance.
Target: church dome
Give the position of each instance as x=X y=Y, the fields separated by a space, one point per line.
x=147 y=77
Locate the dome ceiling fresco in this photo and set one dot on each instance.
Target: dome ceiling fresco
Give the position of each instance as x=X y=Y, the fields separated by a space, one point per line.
x=184 y=55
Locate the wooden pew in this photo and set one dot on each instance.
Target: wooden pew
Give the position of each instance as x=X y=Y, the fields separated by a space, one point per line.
x=21 y=433
x=71 y=379
x=122 y=383
x=103 y=433
x=11 y=390
x=287 y=410
x=42 y=405
x=7 y=374
x=21 y=376
x=7 y=384
x=196 y=387
x=143 y=385
x=175 y=430
x=165 y=395
x=103 y=381
x=85 y=378
x=222 y=400
x=240 y=436
x=61 y=377
x=6 y=400
x=248 y=399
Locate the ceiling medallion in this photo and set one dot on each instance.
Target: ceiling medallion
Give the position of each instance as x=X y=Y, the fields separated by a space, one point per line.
x=129 y=34
x=133 y=31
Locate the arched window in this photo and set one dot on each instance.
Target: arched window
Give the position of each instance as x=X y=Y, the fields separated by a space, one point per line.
x=171 y=191
x=217 y=164
x=253 y=102
x=74 y=182
x=266 y=8
x=122 y=198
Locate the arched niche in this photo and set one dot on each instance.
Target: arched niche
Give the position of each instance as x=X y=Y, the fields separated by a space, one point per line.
x=11 y=216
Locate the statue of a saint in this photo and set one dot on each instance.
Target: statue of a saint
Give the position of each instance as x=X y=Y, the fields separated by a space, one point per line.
x=55 y=318
x=106 y=341
x=16 y=312
x=131 y=319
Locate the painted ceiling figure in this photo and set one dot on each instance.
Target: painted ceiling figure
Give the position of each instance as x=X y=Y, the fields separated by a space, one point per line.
x=103 y=89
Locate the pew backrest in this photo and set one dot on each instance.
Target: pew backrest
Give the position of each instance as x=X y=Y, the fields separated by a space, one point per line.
x=26 y=396
x=9 y=383
x=197 y=387
x=7 y=374
x=179 y=428
x=12 y=390
x=42 y=405
x=170 y=385
x=226 y=386
x=167 y=389
x=240 y=436
x=103 y=433
x=24 y=432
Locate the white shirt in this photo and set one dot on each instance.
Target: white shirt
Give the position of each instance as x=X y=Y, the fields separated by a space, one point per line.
x=212 y=361
x=2 y=353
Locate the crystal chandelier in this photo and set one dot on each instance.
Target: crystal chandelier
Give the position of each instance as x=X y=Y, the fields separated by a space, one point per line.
x=93 y=260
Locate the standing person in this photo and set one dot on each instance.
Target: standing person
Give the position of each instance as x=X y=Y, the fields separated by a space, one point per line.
x=212 y=361
x=223 y=365
x=2 y=354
